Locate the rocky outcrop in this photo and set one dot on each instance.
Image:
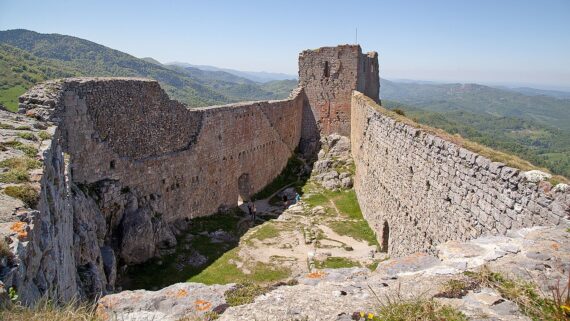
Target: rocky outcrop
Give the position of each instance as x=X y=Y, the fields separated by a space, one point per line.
x=418 y=190
x=125 y=171
x=334 y=166
x=337 y=294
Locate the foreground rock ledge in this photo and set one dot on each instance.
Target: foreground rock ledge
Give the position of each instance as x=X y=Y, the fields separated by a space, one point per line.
x=540 y=253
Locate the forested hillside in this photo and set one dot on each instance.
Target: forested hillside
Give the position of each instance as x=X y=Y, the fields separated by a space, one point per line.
x=28 y=57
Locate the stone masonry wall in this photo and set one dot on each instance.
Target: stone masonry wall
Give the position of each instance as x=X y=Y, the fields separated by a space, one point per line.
x=139 y=167
x=427 y=190
x=329 y=75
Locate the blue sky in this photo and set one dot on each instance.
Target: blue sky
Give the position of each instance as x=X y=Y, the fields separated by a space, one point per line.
x=524 y=42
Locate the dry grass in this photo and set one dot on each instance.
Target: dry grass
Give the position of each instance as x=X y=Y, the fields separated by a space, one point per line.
x=397 y=308
x=18 y=168
x=45 y=310
x=494 y=155
x=26 y=193
x=538 y=306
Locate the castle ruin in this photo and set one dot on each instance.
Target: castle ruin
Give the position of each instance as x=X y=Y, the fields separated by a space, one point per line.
x=127 y=169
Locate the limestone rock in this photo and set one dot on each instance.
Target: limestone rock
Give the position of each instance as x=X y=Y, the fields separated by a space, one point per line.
x=169 y=304
x=536 y=176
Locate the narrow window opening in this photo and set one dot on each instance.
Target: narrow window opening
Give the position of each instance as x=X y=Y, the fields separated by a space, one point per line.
x=428 y=186
x=385 y=237
x=327 y=71
x=112 y=165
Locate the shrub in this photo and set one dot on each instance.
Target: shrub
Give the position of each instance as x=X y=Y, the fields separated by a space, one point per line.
x=44 y=135
x=28 y=136
x=26 y=193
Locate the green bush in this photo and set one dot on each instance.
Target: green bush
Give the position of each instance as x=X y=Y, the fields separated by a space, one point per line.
x=28 y=136
x=26 y=193
x=44 y=135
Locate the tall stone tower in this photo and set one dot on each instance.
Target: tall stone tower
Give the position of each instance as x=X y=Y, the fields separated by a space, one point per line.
x=329 y=75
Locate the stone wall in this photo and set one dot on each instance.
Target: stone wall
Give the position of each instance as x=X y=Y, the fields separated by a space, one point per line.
x=418 y=190
x=329 y=75
x=138 y=168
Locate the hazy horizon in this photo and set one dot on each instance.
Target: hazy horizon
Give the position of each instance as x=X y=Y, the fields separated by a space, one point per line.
x=512 y=43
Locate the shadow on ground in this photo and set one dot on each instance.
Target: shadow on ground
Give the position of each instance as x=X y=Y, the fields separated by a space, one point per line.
x=210 y=238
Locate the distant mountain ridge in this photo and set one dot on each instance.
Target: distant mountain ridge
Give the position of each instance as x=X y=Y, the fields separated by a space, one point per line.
x=480 y=99
x=257 y=76
x=85 y=58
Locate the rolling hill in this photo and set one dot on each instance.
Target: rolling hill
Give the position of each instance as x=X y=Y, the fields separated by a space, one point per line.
x=24 y=50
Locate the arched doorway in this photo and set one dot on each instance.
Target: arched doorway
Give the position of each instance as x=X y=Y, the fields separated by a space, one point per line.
x=244 y=188
x=385 y=237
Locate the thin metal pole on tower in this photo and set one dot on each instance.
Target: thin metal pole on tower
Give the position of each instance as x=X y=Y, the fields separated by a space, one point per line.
x=356 y=35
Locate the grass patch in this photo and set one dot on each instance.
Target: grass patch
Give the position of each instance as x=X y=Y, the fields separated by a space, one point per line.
x=29 y=150
x=358 y=230
x=9 y=97
x=457 y=288
x=417 y=309
x=244 y=293
x=224 y=271
x=6 y=126
x=44 y=135
x=28 y=136
x=347 y=204
x=23 y=128
x=265 y=231
x=49 y=311
x=26 y=193
x=18 y=168
x=335 y=262
x=526 y=295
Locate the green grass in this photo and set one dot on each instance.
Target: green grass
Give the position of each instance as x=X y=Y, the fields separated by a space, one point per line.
x=6 y=126
x=9 y=97
x=266 y=231
x=44 y=135
x=18 y=168
x=23 y=128
x=359 y=230
x=347 y=204
x=244 y=293
x=224 y=271
x=335 y=262
x=26 y=193
x=28 y=136
x=172 y=268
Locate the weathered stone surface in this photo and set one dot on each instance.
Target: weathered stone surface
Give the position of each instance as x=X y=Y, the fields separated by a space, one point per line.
x=536 y=176
x=329 y=75
x=417 y=190
x=169 y=304
x=335 y=294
